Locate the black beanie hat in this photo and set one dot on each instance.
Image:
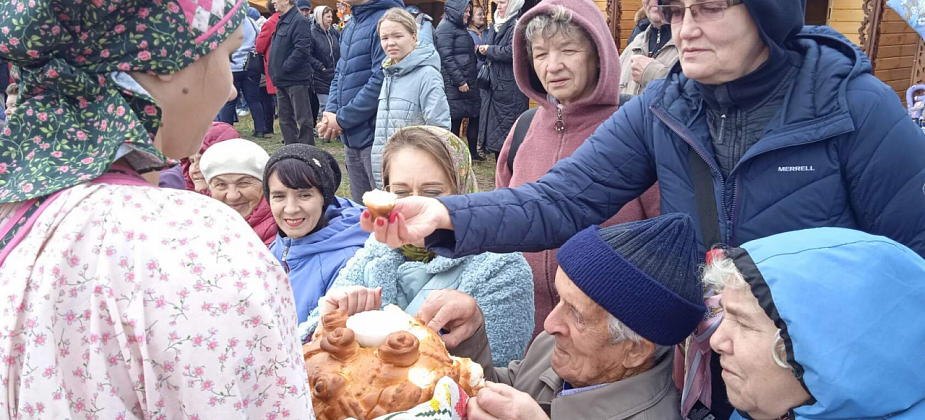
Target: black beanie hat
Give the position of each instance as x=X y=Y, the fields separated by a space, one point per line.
x=324 y=164
x=777 y=20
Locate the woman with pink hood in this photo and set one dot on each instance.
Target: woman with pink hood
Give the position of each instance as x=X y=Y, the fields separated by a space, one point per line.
x=566 y=61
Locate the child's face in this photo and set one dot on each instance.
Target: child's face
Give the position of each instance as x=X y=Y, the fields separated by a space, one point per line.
x=11 y=104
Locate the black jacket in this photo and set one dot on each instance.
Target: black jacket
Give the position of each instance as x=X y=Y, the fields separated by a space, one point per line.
x=325 y=53
x=458 y=62
x=503 y=103
x=291 y=51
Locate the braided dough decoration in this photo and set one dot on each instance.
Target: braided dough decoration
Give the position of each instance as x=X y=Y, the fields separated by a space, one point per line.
x=350 y=380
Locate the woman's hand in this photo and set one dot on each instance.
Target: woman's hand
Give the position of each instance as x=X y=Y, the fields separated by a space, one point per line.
x=351 y=300
x=464 y=88
x=412 y=220
x=482 y=49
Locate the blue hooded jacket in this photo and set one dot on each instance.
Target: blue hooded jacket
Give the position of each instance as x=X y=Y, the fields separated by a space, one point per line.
x=354 y=94
x=314 y=261
x=841 y=152
x=850 y=309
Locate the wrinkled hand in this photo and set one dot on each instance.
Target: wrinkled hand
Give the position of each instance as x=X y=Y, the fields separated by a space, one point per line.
x=328 y=128
x=502 y=402
x=453 y=311
x=413 y=219
x=482 y=49
x=352 y=300
x=464 y=88
x=639 y=64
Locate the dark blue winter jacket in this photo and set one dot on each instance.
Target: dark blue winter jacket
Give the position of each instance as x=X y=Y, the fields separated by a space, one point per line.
x=841 y=152
x=354 y=94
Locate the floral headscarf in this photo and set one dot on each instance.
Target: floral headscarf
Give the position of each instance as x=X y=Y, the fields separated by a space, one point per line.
x=73 y=119
x=459 y=152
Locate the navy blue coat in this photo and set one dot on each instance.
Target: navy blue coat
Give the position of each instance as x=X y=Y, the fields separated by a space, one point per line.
x=291 y=51
x=354 y=94
x=325 y=53
x=458 y=62
x=841 y=152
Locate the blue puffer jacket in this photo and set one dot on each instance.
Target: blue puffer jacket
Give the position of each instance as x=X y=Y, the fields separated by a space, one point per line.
x=502 y=284
x=354 y=94
x=314 y=261
x=842 y=152
x=857 y=348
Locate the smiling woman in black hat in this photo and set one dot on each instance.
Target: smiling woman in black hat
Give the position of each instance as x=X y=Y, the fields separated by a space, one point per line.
x=318 y=231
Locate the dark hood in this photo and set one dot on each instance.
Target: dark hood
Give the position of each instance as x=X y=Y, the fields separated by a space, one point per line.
x=454 y=10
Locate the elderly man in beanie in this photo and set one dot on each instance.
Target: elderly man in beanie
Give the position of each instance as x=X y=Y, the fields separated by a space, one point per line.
x=234 y=171
x=628 y=293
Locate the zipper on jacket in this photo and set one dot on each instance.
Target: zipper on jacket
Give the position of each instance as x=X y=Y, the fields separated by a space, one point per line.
x=713 y=169
x=286 y=264
x=560 y=124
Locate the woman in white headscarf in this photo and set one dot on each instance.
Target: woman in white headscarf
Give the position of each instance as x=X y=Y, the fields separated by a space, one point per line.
x=502 y=101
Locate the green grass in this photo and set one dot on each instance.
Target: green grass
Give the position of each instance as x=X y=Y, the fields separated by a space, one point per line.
x=484 y=171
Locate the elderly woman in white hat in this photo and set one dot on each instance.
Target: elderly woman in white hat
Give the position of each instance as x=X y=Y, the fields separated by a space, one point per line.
x=234 y=171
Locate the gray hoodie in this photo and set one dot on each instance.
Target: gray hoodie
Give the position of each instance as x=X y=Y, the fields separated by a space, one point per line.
x=412 y=94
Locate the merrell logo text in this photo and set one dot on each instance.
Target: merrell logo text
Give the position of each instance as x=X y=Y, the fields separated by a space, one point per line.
x=795 y=169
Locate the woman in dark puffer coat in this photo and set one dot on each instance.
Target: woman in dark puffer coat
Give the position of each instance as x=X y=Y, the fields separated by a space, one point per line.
x=503 y=102
x=325 y=53
x=458 y=65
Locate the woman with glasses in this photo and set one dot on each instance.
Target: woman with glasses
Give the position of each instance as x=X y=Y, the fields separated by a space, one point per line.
x=233 y=170
x=431 y=162
x=765 y=127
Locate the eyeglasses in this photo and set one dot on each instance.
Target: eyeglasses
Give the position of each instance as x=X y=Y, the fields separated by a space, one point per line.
x=701 y=12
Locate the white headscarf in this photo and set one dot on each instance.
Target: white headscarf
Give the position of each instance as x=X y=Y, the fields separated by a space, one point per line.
x=513 y=8
x=319 y=15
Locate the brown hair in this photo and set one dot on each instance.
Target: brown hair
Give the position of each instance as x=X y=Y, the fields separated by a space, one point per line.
x=423 y=140
x=401 y=17
x=12 y=89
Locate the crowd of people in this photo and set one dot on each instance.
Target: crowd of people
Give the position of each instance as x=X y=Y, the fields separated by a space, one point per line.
x=725 y=219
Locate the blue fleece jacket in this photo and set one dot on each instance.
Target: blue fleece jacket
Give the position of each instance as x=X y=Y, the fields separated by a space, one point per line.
x=850 y=308
x=315 y=260
x=502 y=285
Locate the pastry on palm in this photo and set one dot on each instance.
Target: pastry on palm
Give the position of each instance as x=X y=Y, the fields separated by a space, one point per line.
x=379 y=362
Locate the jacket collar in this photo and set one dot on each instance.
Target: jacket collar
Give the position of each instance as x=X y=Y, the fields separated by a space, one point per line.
x=619 y=400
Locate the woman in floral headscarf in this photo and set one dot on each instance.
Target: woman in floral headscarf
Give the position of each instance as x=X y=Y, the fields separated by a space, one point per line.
x=123 y=300
x=432 y=162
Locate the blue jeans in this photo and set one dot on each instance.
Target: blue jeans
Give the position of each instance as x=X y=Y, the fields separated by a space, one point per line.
x=250 y=87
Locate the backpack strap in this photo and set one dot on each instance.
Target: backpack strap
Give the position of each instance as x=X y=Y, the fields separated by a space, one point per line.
x=520 y=133
x=705 y=196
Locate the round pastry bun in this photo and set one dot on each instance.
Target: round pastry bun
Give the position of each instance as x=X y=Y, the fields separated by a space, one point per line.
x=380 y=203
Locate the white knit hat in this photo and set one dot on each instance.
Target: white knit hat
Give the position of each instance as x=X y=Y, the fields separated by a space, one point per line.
x=235 y=156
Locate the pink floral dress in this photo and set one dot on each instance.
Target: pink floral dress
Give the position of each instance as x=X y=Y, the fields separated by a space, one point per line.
x=132 y=302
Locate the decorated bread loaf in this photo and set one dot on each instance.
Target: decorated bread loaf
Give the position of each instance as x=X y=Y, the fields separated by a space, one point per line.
x=379 y=362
